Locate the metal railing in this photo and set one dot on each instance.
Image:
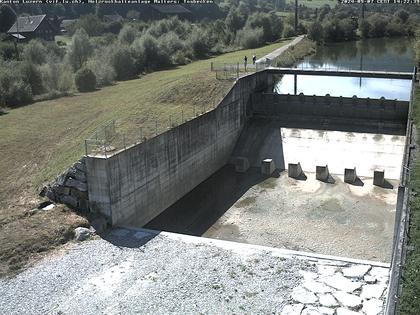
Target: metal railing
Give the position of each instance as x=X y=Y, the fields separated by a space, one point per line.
x=118 y=135
x=402 y=219
x=226 y=71
x=349 y=67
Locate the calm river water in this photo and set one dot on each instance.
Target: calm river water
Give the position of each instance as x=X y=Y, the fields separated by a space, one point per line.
x=383 y=54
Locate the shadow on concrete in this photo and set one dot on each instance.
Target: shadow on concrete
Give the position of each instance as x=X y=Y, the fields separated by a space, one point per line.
x=302 y=176
x=127 y=237
x=357 y=182
x=197 y=211
x=261 y=139
x=329 y=180
x=386 y=184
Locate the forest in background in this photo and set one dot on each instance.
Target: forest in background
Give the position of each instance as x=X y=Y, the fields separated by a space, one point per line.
x=98 y=53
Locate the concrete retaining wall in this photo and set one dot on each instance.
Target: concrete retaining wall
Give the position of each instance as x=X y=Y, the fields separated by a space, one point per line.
x=388 y=116
x=137 y=184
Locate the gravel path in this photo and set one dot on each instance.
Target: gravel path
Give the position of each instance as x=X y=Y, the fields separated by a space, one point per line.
x=280 y=50
x=135 y=271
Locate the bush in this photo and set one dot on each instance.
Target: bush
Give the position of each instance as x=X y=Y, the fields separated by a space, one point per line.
x=250 y=38
x=170 y=43
x=395 y=29
x=54 y=51
x=417 y=48
x=65 y=82
x=364 y=28
x=271 y=24
x=402 y=15
x=32 y=75
x=35 y=52
x=180 y=58
x=315 y=32
x=377 y=25
x=148 y=55
x=7 y=50
x=288 y=31
x=57 y=77
x=80 y=49
x=348 y=28
x=199 y=43
x=102 y=68
x=127 y=35
x=99 y=42
x=85 y=80
x=123 y=63
x=14 y=91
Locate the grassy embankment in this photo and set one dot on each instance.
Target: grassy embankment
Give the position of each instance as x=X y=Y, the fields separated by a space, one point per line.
x=295 y=53
x=410 y=299
x=39 y=141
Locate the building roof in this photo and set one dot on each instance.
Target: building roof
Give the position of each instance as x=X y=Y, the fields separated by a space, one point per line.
x=27 y=24
x=171 y=9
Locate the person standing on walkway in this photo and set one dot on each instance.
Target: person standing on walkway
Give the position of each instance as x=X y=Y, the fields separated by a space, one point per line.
x=245 y=62
x=254 y=59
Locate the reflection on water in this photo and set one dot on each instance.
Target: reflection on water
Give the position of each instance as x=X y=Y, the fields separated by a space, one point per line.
x=346 y=86
x=390 y=54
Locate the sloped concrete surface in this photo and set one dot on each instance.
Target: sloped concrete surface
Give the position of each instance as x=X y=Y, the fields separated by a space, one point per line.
x=313 y=216
x=140 y=271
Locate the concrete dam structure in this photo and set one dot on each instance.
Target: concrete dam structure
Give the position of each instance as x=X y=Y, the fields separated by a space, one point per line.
x=135 y=185
x=319 y=175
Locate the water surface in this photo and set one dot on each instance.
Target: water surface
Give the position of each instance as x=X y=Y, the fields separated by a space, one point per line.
x=383 y=54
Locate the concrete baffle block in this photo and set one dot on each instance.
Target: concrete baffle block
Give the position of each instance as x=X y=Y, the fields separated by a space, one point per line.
x=322 y=173
x=294 y=170
x=350 y=175
x=379 y=178
x=241 y=164
x=268 y=167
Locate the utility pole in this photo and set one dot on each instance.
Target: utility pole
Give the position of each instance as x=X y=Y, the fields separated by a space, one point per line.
x=363 y=11
x=17 y=35
x=296 y=16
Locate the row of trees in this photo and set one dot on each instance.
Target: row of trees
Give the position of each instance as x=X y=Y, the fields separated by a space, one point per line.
x=344 y=23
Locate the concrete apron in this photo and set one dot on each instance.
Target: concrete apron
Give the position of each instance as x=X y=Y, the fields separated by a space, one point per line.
x=251 y=248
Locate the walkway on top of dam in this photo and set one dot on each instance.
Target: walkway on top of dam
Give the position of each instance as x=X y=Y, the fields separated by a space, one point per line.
x=275 y=53
x=338 y=72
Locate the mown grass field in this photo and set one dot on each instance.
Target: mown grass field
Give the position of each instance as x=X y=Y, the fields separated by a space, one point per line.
x=410 y=299
x=39 y=141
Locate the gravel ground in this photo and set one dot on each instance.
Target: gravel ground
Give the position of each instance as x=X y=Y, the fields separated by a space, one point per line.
x=136 y=272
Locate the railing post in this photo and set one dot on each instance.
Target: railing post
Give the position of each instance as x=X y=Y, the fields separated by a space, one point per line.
x=86 y=147
x=211 y=66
